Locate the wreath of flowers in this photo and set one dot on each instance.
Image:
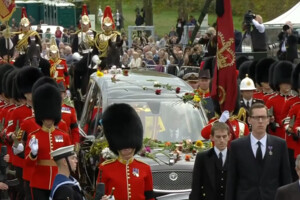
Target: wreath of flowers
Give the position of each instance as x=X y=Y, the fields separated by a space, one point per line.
x=176 y=149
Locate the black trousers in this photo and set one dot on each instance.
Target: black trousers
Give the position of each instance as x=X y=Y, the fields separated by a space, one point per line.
x=40 y=194
x=27 y=190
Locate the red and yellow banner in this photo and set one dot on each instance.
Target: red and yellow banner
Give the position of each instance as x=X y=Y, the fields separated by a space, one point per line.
x=224 y=86
x=7 y=8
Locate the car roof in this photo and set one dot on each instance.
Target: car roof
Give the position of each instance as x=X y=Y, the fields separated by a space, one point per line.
x=139 y=84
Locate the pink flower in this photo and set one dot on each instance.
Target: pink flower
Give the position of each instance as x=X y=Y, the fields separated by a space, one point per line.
x=148 y=149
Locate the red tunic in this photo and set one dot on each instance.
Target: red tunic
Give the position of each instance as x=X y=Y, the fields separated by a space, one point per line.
x=258 y=95
x=59 y=71
x=292 y=144
x=288 y=105
x=130 y=181
x=268 y=96
x=6 y=115
x=68 y=114
x=17 y=116
x=277 y=102
x=240 y=128
x=45 y=168
x=28 y=126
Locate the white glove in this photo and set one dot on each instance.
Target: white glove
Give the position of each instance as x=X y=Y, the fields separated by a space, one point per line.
x=224 y=117
x=18 y=149
x=68 y=93
x=34 y=146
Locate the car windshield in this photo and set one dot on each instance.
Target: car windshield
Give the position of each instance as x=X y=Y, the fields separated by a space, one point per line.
x=168 y=120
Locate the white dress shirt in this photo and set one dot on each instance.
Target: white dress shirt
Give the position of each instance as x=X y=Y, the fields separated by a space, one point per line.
x=254 y=144
x=224 y=154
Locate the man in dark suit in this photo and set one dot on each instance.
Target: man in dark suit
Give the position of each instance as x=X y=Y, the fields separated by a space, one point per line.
x=258 y=163
x=290 y=191
x=210 y=169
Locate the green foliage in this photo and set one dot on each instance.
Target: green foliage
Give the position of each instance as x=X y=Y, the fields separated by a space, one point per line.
x=165 y=13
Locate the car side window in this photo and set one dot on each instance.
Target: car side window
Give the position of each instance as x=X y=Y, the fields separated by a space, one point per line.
x=90 y=120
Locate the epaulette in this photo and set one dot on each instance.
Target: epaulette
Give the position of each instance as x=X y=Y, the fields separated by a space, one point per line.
x=27 y=118
x=295 y=103
x=141 y=161
x=34 y=131
x=62 y=131
x=108 y=161
x=76 y=32
x=117 y=32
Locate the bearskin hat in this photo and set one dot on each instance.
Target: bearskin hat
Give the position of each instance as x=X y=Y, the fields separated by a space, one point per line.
x=252 y=70
x=4 y=68
x=240 y=60
x=16 y=94
x=262 y=70
x=296 y=78
x=6 y=91
x=244 y=69
x=47 y=103
x=27 y=76
x=271 y=75
x=9 y=83
x=122 y=128
x=43 y=80
x=282 y=73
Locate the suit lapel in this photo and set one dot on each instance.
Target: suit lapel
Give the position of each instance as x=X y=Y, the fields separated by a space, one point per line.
x=210 y=167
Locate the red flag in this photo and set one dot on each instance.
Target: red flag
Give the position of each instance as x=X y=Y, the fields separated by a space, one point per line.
x=6 y=9
x=224 y=86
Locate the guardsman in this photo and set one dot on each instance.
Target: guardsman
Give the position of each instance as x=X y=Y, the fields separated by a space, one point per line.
x=131 y=178
x=247 y=89
x=25 y=79
x=282 y=83
x=262 y=78
x=5 y=112
x=108 y=35
x=68 y=114
x=23 y=39
x=273 y=89
x=292 y=119
x=289 y=104
x=59 y=67
x=65 y=186
x=46 y=100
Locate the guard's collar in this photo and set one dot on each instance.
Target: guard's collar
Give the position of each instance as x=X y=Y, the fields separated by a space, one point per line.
x=121 y=160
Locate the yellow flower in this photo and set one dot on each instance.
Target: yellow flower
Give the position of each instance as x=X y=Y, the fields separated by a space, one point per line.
x=199 y=143
x=196 y=98
x=99 y=73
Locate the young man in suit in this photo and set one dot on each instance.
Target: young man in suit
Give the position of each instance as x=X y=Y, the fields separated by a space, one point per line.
x=210 y=169
x=290 y=191
x=258 y=163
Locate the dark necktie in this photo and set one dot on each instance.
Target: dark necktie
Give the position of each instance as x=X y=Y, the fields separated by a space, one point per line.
x=259 y=152
x=221 y=159
x=248 y=104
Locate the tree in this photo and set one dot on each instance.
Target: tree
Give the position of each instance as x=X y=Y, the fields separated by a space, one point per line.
x=200 y=19
x=182 y=9
x=147 y=7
